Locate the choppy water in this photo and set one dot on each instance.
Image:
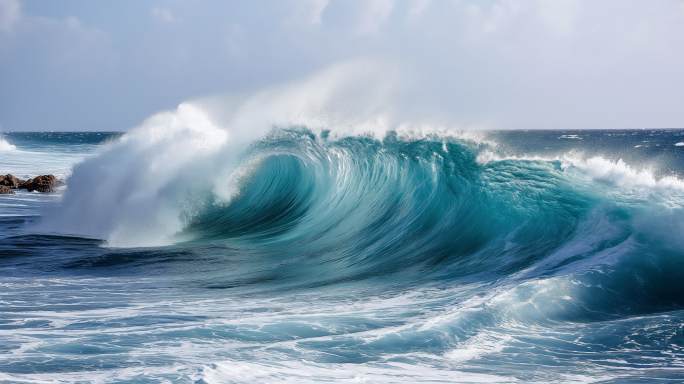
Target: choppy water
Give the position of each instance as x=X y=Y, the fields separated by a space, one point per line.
x=307 y=256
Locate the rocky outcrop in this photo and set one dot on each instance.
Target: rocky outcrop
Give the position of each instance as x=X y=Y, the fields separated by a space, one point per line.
x=43 y=183
x=5 y=190
x=10 y=181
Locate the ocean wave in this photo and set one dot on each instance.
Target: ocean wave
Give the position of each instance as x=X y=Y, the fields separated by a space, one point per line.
x=598 y=169
x=400 y=204
x=552 y=238
x=275 y=238
x=5 y=146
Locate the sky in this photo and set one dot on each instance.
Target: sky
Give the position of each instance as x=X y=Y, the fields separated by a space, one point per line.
x=79 y=65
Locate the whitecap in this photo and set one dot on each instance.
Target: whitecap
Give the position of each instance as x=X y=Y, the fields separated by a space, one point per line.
x=5 y=146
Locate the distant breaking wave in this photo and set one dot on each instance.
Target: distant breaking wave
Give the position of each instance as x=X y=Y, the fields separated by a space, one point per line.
x=5 y=146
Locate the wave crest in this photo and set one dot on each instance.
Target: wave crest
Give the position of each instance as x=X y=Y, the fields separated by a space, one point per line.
x=5 y=146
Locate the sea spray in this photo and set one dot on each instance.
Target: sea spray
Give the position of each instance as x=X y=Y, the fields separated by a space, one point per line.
x=5 y=146
x=144 y=188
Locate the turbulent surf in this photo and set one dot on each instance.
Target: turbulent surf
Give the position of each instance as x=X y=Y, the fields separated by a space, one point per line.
x=185 y=252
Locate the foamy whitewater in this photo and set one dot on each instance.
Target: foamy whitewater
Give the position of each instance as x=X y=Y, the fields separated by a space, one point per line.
x=277 y=239
x=5 y=146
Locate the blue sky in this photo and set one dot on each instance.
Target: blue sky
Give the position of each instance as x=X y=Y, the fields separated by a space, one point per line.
x=107 y=65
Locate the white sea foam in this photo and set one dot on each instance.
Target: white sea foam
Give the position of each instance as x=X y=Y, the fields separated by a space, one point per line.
x=127 y=194
x=487 y=156
x=191 y=356
x=308 y=372
x=479 y=345
x=5 y=146
x=619 y=174
x=228 y=371
x=616 y=174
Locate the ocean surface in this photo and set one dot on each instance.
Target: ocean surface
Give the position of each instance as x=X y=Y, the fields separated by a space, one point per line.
x=302 y=255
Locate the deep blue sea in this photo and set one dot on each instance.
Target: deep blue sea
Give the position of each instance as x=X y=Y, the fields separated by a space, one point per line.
x=299 y=256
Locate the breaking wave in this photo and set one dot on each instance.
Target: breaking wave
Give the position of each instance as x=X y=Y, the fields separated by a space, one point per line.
x=443 y=249
x=208 y=242
x=5 y=146
x=432 y=204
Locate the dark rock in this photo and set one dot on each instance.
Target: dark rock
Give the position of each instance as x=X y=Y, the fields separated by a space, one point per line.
x=43 y=183
x=10 y=181
x=5 y=190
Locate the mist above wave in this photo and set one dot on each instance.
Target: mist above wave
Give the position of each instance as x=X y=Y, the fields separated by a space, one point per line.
x=141 y=189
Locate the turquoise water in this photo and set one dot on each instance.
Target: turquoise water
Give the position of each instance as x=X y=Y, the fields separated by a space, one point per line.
x=301 y=256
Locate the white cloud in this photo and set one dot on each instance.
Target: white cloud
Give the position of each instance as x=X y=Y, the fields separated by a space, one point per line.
x=507 y=63
x=496 y=16
x=10 y=13
x=73 y=23
x=234 y=41
x=317 y=7
x=373 y=16
x=303 y=13
x=163 y=14
x=559 y=15
x=417 y=7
